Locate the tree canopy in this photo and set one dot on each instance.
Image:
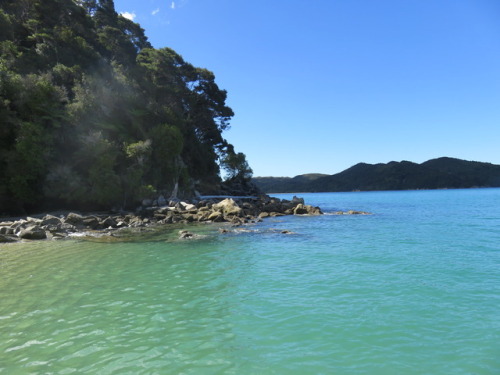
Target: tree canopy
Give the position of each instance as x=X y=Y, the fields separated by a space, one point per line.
x=92 y=116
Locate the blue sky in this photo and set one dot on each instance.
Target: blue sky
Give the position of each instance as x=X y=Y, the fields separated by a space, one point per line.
x=320 y=85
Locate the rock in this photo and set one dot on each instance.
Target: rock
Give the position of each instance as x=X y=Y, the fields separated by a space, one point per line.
x=352 y=212
x=287 y=205
x=286 y=232
x=74 y=219
x=91 y=222
x=228 y=207
x=109 y=222
x=273 y=205
x=314 y=210
x=135 y=221
x=184 y=234
x=263 y=215
x=33 y=232
x=188 y=217
x=6 y=230
x=204 y=215
x=187 y=206
x=306 y=209
x=223 y=230
x=296 y=200
x=66 y=227
x=179 y=207
x=300 y=209
x=33 y=220
x=237 y=221
x=216 y=217
x=6 y=238
x=51 y=220
x=50 y=228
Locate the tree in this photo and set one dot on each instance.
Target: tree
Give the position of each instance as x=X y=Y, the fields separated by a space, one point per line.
x=236 y=166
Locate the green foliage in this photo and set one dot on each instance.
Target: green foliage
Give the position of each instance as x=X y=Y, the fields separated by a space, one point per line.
x=93 y=117
x=237 y=166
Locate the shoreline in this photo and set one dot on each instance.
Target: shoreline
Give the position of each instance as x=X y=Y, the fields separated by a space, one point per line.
x=236 y=210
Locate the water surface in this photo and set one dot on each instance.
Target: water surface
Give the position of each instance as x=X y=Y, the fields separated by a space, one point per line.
x=412 y=289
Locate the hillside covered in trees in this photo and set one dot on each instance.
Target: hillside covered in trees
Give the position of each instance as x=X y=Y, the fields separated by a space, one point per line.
x=93 y=117
x=441 y=173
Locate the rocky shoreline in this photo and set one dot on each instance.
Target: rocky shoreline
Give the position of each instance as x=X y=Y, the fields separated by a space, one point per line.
x=234 y=210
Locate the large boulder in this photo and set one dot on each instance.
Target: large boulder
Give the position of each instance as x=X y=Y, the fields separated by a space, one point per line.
x=50 y=220
x=305 y=209
x=91 y=222
x=74 y=219
x=228 y=207
x=108 y=222
x=32 y=232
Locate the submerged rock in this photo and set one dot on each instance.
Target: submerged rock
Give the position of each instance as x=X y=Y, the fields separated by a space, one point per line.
x=7 y=238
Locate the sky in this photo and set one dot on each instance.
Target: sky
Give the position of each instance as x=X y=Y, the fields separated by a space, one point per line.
x=318 y=86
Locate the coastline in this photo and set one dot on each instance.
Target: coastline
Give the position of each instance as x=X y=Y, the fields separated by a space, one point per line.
x=236 y=210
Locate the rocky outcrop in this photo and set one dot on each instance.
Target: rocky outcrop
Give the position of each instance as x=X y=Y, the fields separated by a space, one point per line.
x=235 y=210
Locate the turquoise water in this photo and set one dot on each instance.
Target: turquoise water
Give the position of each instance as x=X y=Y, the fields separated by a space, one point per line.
x=412 y=289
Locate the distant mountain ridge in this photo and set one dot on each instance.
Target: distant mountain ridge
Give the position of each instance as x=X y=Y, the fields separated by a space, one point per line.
x=440 y=173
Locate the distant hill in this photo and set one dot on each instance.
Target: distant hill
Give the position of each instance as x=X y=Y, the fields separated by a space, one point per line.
x=438 y=173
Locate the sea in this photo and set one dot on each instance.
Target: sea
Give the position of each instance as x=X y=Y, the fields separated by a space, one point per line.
x=412 y=288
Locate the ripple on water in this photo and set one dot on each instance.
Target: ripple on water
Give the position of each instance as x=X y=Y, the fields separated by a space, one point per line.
x=400 y=291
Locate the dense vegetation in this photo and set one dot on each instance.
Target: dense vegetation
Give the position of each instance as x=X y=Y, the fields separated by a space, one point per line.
x=93 y=117
x=438 y=173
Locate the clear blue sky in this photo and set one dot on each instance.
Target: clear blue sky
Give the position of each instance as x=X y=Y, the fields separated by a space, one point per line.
x=320 y=85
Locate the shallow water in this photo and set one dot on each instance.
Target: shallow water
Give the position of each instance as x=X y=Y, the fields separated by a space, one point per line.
x=412 y=289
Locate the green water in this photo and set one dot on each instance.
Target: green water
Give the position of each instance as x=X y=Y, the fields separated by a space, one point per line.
x=412 y=289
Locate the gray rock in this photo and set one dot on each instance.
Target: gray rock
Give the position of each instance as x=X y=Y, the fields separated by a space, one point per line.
x=33 y=232
x=50 y=220
x=74 y=219
x=33 y=220
x=296 y=200
x=7 y=238
x=6 y=230
x=109 y=222
x=91 y=222
x=184 y=234
x=216 y=217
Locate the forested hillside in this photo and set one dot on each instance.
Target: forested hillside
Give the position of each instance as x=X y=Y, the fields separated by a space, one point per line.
x=438 y=173
x=93 y=117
